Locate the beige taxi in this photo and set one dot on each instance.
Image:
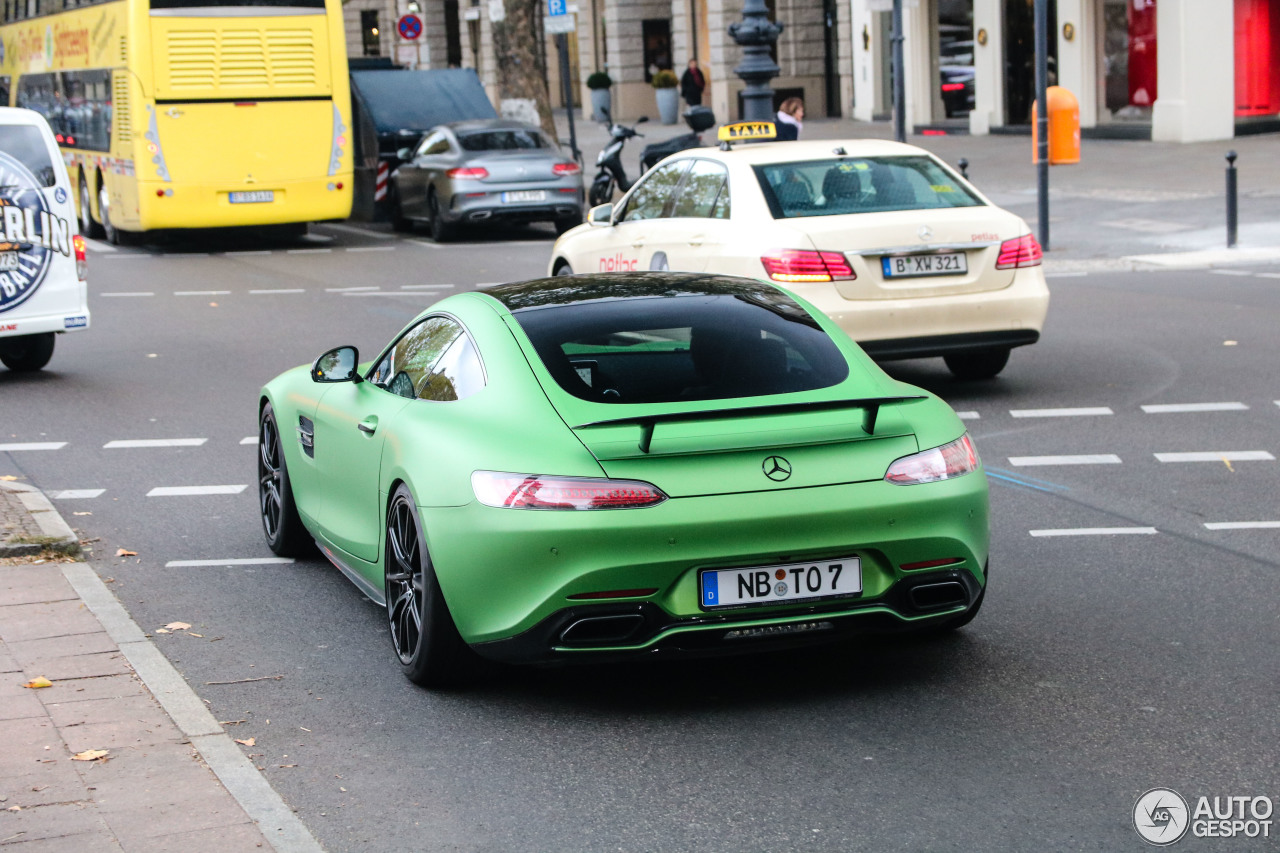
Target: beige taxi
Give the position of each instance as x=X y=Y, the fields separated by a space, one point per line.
x=902 y=252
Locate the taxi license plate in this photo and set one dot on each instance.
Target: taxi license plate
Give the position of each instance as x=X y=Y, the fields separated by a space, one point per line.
x=524 y=195
x=822 y=579
x=253 y=197
x=8 y=260
x=909 y=266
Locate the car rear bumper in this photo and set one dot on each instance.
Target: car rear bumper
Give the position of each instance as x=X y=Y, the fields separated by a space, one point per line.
x=42 y=323
x=490 y=207
x=929 y=346
x=209 y=205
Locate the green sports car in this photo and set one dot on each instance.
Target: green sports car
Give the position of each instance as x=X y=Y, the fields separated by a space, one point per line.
x=625 y=465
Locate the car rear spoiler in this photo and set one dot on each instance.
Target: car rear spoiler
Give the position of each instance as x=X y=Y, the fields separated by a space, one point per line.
x=869 y=405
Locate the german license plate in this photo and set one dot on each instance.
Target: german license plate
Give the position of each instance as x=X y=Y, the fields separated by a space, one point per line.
x=822 y=579
x=253 y=197
x=524 y=195
x=909 y=266
x=8 y=260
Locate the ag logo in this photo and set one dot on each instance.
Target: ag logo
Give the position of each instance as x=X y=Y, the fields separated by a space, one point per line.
x=1161 y=817
x=30 y=233
x=776 y=468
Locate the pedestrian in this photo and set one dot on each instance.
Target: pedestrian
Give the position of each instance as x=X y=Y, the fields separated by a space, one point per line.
x=692 y=83
x=790 y=119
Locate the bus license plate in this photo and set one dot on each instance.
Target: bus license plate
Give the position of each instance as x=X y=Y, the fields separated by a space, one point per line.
x=253 y=197
x=909 y=266
x=8 y=260
x=822 y=579
x=524 y=195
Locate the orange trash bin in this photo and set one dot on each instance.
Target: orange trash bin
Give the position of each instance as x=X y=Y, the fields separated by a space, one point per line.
x=1064 y=127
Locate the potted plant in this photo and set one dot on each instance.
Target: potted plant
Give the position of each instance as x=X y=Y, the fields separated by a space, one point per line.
x=664 y=89
x=599 y=84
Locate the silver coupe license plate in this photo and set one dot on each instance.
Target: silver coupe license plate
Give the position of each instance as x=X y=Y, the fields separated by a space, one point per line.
x=253 y=197
x=517 y=196
x=909 y=266
x=821 y=579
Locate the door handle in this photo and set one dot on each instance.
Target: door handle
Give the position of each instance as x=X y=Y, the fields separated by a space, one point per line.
x=639 y=244
x=369 y=425
x=696 y=240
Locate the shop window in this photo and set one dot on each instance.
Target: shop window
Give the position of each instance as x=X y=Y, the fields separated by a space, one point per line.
x=1128 y=57
x=370 y=33
x=657 y=46
x=1257 y=43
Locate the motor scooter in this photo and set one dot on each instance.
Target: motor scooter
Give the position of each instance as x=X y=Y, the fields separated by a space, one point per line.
x=609 y=163
x=698 y=118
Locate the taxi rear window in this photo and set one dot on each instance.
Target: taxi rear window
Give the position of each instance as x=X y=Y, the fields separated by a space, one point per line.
x=859 y=185
x=691 y=347
x=26 y=144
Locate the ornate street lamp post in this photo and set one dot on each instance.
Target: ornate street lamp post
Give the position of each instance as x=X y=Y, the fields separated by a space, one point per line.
x=756 y=33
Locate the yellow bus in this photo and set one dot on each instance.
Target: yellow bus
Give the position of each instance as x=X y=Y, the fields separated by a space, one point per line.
x=191 y=113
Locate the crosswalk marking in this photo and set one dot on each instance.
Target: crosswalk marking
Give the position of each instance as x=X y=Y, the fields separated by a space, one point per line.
x=32 y=445
x=1218 y=456
x=76 y=494
x=193 y=491
x=1095 y=531
x=1087 y=459
x=233 y=561
x=1061 y=413
x=1161 y=408
x=128 y=443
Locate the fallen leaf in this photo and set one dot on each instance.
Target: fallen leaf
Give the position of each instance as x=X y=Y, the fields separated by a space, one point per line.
x=213 y=305
x=90 y=755
x=286 y=765
x=8 y=478
x=1229 y=343
x=82 y=513
x=177 y=626
x=38 y=682
x=249 y=741
x=1227 y=462
x=194 y=634
x=125 y=552
x=14 y=809
x=163 y=631
x=304 y=728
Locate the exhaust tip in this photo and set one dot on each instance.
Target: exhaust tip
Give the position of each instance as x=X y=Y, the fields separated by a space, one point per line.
x=936 y=596
x=597 y=630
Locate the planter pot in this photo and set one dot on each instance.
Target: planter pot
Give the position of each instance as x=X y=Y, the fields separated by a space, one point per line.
x=668 y=104
x=600 y=100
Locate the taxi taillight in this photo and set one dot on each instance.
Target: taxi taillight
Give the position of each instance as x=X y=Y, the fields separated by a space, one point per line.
x=1021 y=251
x=82 y=259
x=802 y=265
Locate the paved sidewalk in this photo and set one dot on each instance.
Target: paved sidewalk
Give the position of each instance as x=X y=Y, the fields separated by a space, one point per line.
x=95 y=761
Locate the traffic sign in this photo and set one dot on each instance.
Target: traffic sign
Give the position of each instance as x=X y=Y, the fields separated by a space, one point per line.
x=409 y=26
x=556 y=7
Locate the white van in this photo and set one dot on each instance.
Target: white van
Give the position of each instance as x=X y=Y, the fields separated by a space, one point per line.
x=42 y=257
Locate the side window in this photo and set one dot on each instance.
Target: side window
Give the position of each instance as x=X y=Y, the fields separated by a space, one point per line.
x=650 y=198
x=435 y=143
x=456 y=375
x=702 y=188
x=405 y=366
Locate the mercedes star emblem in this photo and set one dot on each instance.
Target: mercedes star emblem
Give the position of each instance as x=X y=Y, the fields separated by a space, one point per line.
x=776 y=468
x=925 y=232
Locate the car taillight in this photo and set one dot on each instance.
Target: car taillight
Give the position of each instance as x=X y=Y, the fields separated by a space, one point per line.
x=564 y=169
x=1021 y=251
x=805 y=265
x=537 y=491
x=82 y=260
x=473 y=172
x=952 y=87
x=929 y=466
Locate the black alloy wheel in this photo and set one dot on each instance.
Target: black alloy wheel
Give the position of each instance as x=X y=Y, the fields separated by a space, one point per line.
x=285 y=533
x=431 y=652
x=26 y=353
x=441 y=231
x=979 y=364
x=88 y=227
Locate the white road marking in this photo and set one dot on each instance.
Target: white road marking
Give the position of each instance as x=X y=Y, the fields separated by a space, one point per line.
x=237 y=561
x=129 y=256
x=1074 y=274
x=427 y=286
x=1231 y=272
x=351 y=229
x=32 y=445
x=423 y=244
x=278 y=290
x=1242 y=525
x=1162 y=408
x=1060 y=413
x=130 y=293
x=76 y=494
x=1095 y=531
x=193 y=491
x=372 y=249
x=98 y=246
x=1088 y=459
x=346 y=289
x=391 y=293
x=1269 y=275
x=153 y=442
x=1149 y=226
x=249 y=439
x=307 y=251
x=968 y=416
x=201 y=292
x=244 y=254
x=1218 y=456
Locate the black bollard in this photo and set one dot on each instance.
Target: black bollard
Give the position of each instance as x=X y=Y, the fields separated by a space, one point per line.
x=964 y=167
x=1232 y=210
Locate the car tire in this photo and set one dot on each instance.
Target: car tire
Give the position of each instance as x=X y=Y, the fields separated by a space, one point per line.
x=88 y=227
x=286 y=535
x=441 y=231
x=109 y=231
x=601 y=191
x=26 y=353
x=563 y=225
x=563 y=268
x=423 y=634
x=395 y=211
x=979 y=364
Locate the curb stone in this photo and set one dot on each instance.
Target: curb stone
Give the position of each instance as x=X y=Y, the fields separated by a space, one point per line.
x=55 y=533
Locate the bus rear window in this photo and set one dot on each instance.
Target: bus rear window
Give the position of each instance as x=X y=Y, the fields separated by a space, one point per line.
x=25 y=144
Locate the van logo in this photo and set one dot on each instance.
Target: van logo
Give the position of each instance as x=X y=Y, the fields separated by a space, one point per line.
x=31 y=235
x=776 y=468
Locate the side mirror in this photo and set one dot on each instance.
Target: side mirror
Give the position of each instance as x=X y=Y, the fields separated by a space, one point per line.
x=601 y=214
x=337 y=365
x=405 y=154
x=642 y=119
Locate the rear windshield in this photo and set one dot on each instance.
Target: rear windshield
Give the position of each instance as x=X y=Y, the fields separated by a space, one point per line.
x=693 y=347
x=25 y=144
x=502 y=140
x=859 y=185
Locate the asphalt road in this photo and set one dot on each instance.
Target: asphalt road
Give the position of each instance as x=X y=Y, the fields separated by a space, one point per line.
x=1102 y=665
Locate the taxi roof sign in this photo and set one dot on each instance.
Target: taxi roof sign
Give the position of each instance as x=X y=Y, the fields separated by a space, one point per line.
x=747 y=130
